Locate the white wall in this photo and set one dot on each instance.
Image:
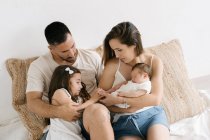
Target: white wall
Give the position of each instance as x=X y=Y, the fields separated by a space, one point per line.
x=23 y=21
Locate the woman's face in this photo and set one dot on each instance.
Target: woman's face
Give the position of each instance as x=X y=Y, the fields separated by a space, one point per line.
x=75 y=84
x=122 y=51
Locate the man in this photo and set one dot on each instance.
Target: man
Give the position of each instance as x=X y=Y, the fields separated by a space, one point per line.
x=63 y=50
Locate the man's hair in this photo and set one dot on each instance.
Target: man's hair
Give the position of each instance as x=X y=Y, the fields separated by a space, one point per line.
x=56 y=33
x=143 y=68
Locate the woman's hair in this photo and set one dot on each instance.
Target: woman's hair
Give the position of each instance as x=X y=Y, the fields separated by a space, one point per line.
x=142 y=67
x=60 y=79
x=127 y=34
x=56 y=33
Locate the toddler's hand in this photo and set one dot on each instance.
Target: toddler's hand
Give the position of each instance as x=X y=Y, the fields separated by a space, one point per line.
x=96 y=95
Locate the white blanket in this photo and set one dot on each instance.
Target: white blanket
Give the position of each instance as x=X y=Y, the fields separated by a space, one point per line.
x=194 y=128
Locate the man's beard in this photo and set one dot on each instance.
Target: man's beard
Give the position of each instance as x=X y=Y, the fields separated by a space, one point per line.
x=70 y=60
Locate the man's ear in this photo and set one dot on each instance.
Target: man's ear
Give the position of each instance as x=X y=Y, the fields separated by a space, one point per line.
x=50 y=47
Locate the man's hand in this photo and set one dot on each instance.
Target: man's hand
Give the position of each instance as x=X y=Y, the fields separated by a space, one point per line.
x=69 y=111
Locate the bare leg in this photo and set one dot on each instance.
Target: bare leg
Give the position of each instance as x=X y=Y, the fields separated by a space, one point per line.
x=158 y=132
x=130 y=138
x=96 y=120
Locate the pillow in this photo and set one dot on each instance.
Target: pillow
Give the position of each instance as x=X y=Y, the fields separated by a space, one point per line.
x=180 y=99
x=17 y=68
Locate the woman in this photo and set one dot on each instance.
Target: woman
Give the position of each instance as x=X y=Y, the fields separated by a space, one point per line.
x=122 y=50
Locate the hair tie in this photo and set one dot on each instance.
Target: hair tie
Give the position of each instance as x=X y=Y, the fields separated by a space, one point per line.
x=69 y=70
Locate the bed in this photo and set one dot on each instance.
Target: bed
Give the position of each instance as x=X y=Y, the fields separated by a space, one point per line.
x=187 y=107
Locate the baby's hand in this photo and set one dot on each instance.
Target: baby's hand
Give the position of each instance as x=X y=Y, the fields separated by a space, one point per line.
x=113 y=89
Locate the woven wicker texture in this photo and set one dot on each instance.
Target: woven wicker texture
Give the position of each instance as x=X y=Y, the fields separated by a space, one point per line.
x=17 y=69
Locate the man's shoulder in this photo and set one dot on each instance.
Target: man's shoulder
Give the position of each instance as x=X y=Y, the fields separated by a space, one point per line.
x=41 y=59
x=41 y=63
x=88 y=52
x=89 y=55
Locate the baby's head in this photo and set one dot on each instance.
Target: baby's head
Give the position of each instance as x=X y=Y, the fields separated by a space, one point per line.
x=68 y=77
x=140 y=73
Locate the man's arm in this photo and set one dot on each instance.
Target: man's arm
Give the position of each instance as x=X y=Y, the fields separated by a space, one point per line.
x=36 y=105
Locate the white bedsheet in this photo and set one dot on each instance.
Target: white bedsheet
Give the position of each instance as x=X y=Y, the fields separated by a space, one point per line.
x=194 y=128
x=13 y=130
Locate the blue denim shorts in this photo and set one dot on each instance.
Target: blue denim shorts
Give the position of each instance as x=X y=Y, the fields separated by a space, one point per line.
x=83 y=130
x=139 y=123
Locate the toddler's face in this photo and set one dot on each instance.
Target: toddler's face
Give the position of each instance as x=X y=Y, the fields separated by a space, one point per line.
x=75 y=84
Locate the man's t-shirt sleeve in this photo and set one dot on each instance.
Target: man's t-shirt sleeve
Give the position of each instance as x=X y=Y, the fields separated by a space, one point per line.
x=34 y=79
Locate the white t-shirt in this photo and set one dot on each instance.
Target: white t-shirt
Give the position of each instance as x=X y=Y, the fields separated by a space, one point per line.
x=134 y=87
x=41 y=70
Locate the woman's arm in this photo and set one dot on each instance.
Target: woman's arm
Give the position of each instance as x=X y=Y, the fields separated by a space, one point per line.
x=132 y=93
x=108 y=75
x=113 y=89
x=137 y=103
x=157 y=89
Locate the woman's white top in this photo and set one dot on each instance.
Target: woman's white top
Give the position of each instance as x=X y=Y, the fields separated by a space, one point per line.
x=119 y=78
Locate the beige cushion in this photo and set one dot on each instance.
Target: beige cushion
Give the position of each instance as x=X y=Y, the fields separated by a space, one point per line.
x=180 y=99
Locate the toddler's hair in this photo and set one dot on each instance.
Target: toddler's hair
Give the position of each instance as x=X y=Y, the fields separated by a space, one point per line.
x=60 y=79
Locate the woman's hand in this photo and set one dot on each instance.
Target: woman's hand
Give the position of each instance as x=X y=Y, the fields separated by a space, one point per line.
x=122 y=110
x=109 y=99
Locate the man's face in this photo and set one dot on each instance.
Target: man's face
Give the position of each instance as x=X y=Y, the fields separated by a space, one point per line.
x=66 y=52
